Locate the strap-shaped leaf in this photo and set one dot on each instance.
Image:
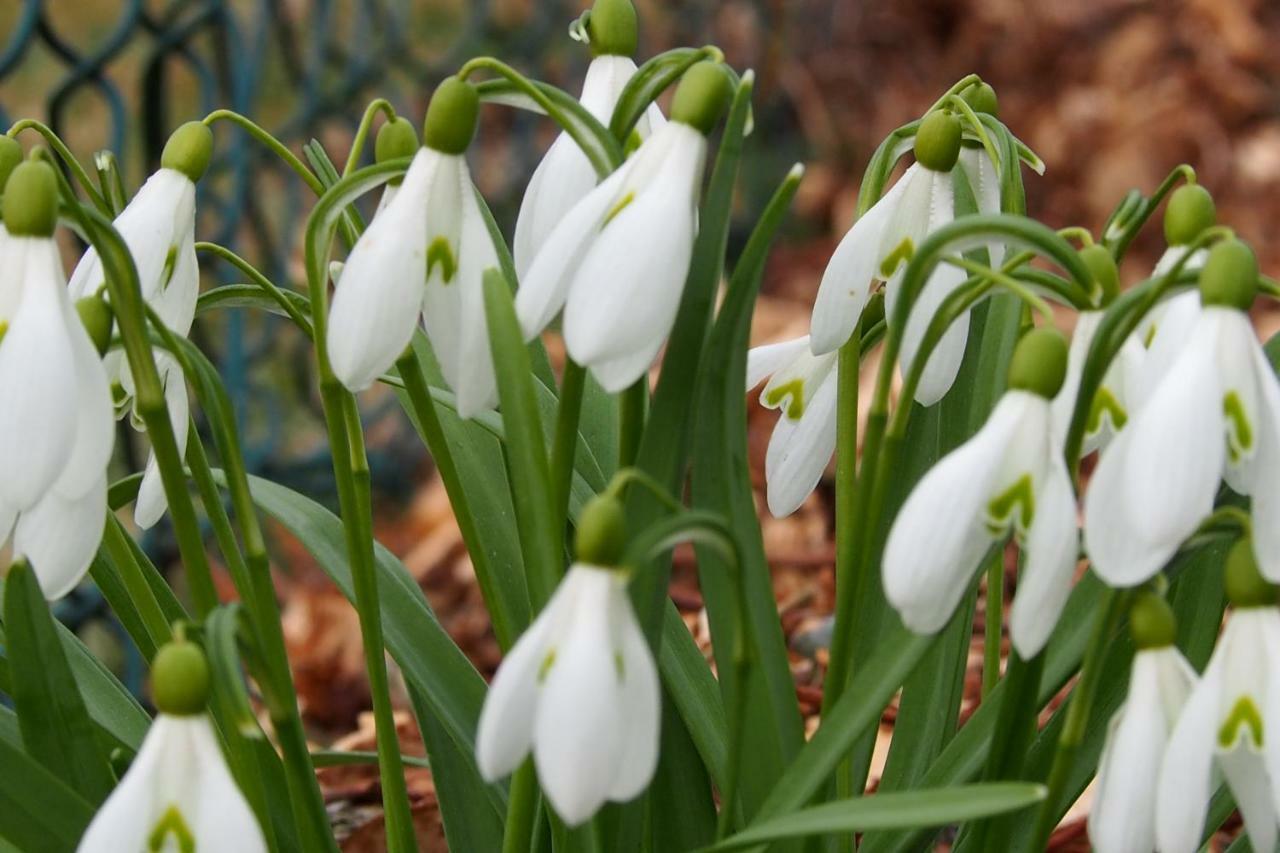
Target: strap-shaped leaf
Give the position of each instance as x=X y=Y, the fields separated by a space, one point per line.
x=37 y=810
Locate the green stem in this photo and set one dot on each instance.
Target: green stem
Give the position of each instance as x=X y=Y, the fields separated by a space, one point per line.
x=114 y=539
x=632 y=406
x=362 y=132
x=56 y=143
x=522 y=809
x=277 y=147
x=268 y=286
x=1129 y=229
x=993 y=624
x=565 y=443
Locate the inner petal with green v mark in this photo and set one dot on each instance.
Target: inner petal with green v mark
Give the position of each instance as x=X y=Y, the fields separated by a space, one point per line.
x=1239 y=429
x=793 y=393
x=901 y=254
x=170 y=264
x=1244 y=714
x=171 y=823
x=440 y=252
x=1105 y=405
x=1016 y=504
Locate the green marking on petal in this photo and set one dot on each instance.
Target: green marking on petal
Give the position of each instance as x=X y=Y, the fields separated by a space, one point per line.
x=1239 y=430
x=1015 y=504
x=1105 y=404
x=793 y=389
x=618 y=208
x=440 y=252
x=619 y=665
x=1151 y=336
x=170 y=264
x=4 y=327
x=1245 y=713
x=171 y=823
x=634 y=141
x=545 y=667
x=901 y=254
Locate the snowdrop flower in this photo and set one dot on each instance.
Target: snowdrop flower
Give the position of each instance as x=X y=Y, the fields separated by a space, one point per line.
x=1123 y=818
x=1010 y=476
x=56 y=432
x=565 y=175
x=802 y=388
x=877 y=248
x=423 y=256
x=178 y=794
x=579 y=688
x=1229 y=723
x=1215 y=415
x=159 y=227
x=618 y=260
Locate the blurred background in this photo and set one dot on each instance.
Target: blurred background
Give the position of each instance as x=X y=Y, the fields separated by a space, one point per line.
x=1111 y=93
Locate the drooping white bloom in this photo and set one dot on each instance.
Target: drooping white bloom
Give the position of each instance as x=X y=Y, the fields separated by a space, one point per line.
x=1214 y=415
x=803 y=390
x=158 y=226
x=984 y=180
x=1230 y=723
x=423 y=257
x=1009 y=476
x=56 y=432
x=617 y=261
x=580 y=690
x=177 y=795
x=1114 y=401
x=565 y=174
x=1123 y=817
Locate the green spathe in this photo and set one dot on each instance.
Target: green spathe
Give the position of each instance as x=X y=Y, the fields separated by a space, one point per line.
x=611 y=26
x=1191 y=210
x=1102 y=265
x=1151 y=622
x=1039 y=362
x=10 y=157
x=601 y=533
x=702 y=96
x=937 y=143
x=31 y=200
x=1246 y=587
x=180 y=679
x=1230 y=276
x=451 y=117
x=189 y=150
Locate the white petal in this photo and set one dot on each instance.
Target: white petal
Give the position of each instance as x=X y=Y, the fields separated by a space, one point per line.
x=1166 y=333
x=577 y=742
x=59 y=536
x=799 y=451
x=1182 y=792
x=1177 y=454
x=377 y=302
x=562 y=179
x=1065 y=402
x=151 y=502
x=1246 y=775
x=37 y=383
x=126 y=819
x=217 y=811
x=985 y=183
x=176 y=300
x=1266 y=489
x=1049 y=564
x=641 y=701
x=764 y=361
x=940 y=533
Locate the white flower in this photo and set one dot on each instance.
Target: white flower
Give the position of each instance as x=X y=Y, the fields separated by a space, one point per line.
x=984 y=179
x=1114 y=401
x=876 y=249
x=423 y=256
x=1010 y=475
x=1232 y=723
x=580 y=689
x=617 y=261
x=177 y=795
x=56 y=424
x=158 y=226
x=803 y=390
x=1214 y=415
x=1123 y=817
x=565 y=174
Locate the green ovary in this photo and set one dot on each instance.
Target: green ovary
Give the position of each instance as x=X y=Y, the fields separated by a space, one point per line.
x=440 y=252
x=1244 y=713
x=171 y=822
x=1239 y=430
x=793 y=389
x=1019 y=499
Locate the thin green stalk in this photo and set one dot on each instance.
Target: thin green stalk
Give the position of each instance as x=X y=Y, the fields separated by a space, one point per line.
x=69 y=159
x=267 y=285
x=633 y=404
x=114 y=539
x=993 y=624
x=522 y=809
x=362 y=132
x=277 y=147
x=564 y=448
x=737 y=727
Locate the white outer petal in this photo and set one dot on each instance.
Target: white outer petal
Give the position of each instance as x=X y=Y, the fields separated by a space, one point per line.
x=1246 y=775
x=377 y=302
x=1173 y=321
x=220 y=817
x=1182 y=790
x=151 y=502
x=1266 y=490
x=986 y=190
x=1049 y=565
x=799 y=451
x=641 y=700
x=940 y=532
x=59 y=537
x=1065 y=402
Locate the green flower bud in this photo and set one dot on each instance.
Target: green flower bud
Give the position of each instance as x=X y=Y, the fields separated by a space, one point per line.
x=1102 y=266
x=602 y=532
x=1246 y=587
x=1190 y=211
x=189 y=150
x=180 y=679
x=611 y=26
x=95 y=315
x=938 y=141
x=1151 y=622
x=982 y=98
x=1039 y=362
x=10 y=157
x=702 y=96
x=451 y=117
x=1230 y=276
x=396 y=139
x=31 y=200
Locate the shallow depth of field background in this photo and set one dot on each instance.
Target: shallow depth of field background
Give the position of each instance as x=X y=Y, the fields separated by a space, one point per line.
x=1111 y=93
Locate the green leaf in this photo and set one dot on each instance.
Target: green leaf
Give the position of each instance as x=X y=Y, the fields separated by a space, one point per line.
x=249 y=296
x=908 y=809
x=37 y=810
x=56 y=728
x=650 y=80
